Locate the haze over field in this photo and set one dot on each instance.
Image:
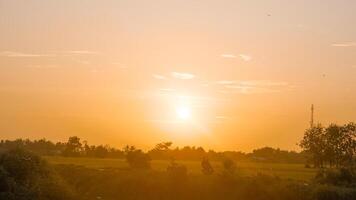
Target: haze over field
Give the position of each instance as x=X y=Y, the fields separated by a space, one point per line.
x=219 y=74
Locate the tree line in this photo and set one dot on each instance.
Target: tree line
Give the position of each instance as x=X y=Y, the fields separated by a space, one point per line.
x=333 y=146
x=74 y=147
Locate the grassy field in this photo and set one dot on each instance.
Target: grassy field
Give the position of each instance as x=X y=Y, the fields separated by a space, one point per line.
x=286 y=171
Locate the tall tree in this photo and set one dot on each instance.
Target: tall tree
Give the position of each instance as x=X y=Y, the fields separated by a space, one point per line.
x=314 y=144
x=73 y=147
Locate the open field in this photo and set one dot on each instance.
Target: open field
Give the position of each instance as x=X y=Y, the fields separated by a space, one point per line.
x=285 y=171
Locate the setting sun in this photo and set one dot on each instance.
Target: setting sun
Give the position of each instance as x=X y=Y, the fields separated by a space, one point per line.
x=183 y=112
x=173 y=100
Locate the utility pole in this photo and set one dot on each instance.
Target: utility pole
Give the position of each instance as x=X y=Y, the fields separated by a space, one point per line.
x=312 y=116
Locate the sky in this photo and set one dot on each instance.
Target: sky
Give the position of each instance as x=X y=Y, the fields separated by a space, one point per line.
x=222 y=74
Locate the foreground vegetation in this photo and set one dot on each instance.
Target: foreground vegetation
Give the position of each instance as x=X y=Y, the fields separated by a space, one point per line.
x=25 y=176
x=244 y=168
x=75 y=147
x=148 y=184
x=72 y=170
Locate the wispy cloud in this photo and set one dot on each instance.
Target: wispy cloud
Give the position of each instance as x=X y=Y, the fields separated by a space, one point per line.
x=21 y=54
x=226 y=82
x=251 y=90
x=83 y=52
x=42 y=66
x=167 y=89
x=184 y=76
x=252 y=86
x=253 y=82
x=264 y=83
x=158 y=76
x=29 y=55
x=347 y=44
x=228 y=56
x=245 y=57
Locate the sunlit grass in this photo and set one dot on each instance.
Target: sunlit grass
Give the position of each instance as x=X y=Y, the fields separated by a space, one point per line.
x=285 y=171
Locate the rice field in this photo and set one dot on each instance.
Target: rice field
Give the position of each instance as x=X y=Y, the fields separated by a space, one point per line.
x=281 y=170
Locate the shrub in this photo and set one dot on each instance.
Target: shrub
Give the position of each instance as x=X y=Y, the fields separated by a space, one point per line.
x=343 y=177
x=177 y=172
x=207 y=169
x=229 y=166
x=137 y=159
x=25 y=176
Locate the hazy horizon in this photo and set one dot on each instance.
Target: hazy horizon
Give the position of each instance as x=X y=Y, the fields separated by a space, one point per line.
x=224 y=75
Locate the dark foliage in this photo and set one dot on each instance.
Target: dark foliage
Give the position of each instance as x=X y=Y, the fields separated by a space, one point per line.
x=136 y=158
x=229 y=166
x=74 y=147
x=149 y=184
x=207 y=168
x=163 y=151
x=25 y=176
x=177 y=172
x=333 y=146
x=342 y=177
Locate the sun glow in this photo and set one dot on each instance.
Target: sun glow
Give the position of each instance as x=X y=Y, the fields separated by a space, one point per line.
x=183 y=112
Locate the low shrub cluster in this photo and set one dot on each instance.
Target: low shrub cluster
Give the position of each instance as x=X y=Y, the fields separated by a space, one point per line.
x=149 y=184
x=25 y=176
x=345 y=177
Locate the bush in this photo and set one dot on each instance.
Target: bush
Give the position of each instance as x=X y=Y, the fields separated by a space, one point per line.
x=177 y=172
x=229 y=166
x=112 y=184
x=207 y=169
x=341 y=177
x=137 y=159
x=25 y=176
x=333 y=193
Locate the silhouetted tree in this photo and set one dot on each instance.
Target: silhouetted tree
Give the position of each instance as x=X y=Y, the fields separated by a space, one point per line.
x=229 y=166
x=207 y=169
x=136 y=158
x=349 y=145
x=314 y=144
x=334 y=145
x=73 y=147
x=25 y=176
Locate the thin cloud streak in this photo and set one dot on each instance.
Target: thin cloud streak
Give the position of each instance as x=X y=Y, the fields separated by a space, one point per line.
x=253 y=86
x=20 y=54
x=33 y=55
x=348 y=44
x=245 y=57
x=253 y=82
x=228 y=56
x=83 y=52
x=43 y=66
x=159 y=77
x=183 y=76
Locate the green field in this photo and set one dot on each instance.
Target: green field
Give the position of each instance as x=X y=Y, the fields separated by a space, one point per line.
x=285 y=171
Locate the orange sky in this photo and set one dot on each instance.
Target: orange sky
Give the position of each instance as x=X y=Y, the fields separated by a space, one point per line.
x=121 y=72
